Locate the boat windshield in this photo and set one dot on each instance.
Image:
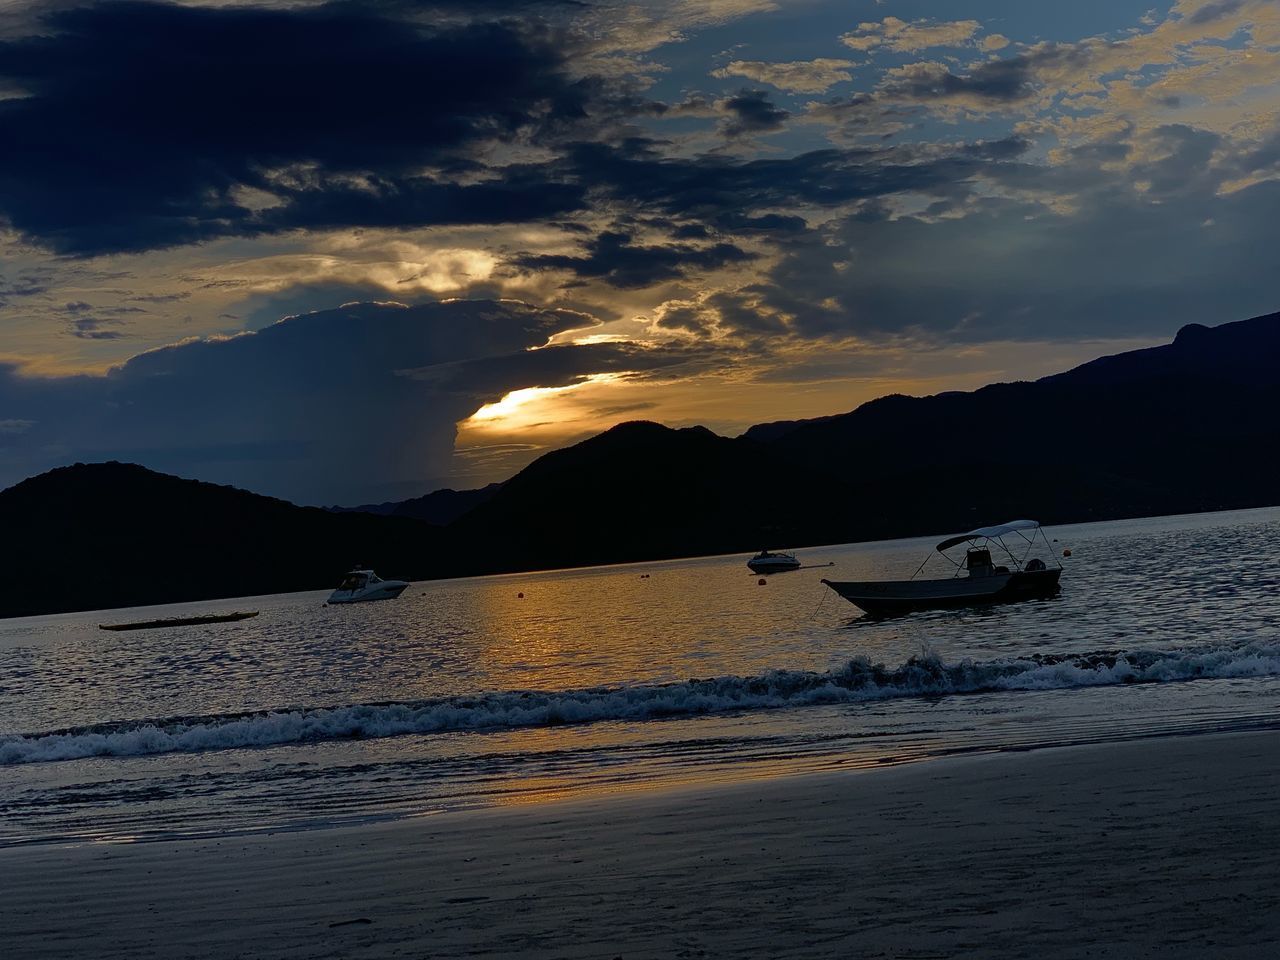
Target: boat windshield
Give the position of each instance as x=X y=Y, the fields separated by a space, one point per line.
x=352 y=581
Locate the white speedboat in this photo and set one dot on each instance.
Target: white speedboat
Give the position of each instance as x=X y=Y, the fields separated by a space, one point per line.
x=359 y=585
x=767 y=561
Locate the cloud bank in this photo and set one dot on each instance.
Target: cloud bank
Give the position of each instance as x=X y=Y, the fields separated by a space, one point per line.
x=316 y=408
x=790 y=199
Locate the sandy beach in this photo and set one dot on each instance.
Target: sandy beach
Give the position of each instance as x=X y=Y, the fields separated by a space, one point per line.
x=1153 y=848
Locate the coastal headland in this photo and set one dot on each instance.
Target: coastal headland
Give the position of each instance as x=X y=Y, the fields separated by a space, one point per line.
x=1181 y=428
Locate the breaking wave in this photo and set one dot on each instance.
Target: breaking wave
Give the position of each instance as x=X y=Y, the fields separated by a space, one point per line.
x=859 y=680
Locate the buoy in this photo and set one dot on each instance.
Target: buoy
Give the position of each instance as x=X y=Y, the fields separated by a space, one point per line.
x=519 y=596
x=1067 y=552
x=762 y=581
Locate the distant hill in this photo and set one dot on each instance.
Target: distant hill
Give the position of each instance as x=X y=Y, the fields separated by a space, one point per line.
x=642 y=490
x=1184 y=427
x=1180 y=428
x=776 y=429
x=439 y=507
x=101 y=535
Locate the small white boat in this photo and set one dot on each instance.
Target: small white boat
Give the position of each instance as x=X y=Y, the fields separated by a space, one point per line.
x=360 y=585
x=773 y=562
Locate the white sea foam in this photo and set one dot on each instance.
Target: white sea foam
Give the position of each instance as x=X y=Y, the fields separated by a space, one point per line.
x=859 y=680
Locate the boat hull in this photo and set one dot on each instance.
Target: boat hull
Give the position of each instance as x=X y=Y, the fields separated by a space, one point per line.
x=386 y=590
x=889 y=597
x=772 y=565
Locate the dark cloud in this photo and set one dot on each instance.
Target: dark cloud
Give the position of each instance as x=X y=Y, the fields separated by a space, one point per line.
x=741 y=114
x=1184 y=166
x=613 y=258
x=861 y=117
x=1214 y=11
x=1007 y=148
x=742 y=311
x=27 y=283
x=560 y=366
x=686 y=317
x=519 y=194
x=1099 y=152
x=750 y=112
x=143 y=122
x=319 y=408
x=85 y=322
x=765 y=223
x=739 y=315
x=161 y=297
x=133 y=135
x=691 y=231
x=92 y=328
x=1265 y=156
x=731 y=194
x=469 y=8
x=990 y=83
x=1118 y=265
x=1001 y=81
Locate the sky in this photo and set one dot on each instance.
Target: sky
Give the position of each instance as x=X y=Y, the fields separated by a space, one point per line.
x=347 y=252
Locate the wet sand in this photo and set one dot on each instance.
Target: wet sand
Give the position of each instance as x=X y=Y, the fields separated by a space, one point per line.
x=1156 y=848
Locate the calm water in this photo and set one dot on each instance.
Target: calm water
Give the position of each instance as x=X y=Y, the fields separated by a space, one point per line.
x=466 y=693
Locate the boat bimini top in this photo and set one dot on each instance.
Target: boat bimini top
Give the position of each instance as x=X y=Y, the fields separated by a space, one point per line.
x=992 y=533
x=978 y=559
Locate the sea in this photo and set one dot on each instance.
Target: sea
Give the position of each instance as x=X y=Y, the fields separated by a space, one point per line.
x=531 y=688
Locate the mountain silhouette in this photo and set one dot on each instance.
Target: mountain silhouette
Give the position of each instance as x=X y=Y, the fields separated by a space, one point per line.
x=99 y=535
x=642 y=491
x=1178 y=428
x=1183 y=427
x=438 y=507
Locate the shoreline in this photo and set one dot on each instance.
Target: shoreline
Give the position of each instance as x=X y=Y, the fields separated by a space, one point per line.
x=1165 y=847
x=9 y=619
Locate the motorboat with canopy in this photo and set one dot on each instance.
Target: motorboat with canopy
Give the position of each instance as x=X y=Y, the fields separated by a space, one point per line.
x=1024 y=576
x=360 y=585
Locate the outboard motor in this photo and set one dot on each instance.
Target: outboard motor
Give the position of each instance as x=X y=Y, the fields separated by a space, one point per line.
x=978 y=562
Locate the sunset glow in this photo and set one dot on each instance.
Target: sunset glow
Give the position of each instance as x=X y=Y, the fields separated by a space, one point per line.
x=514 y=403
x=534 y=406
x=714 y=213
x=744 y=479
